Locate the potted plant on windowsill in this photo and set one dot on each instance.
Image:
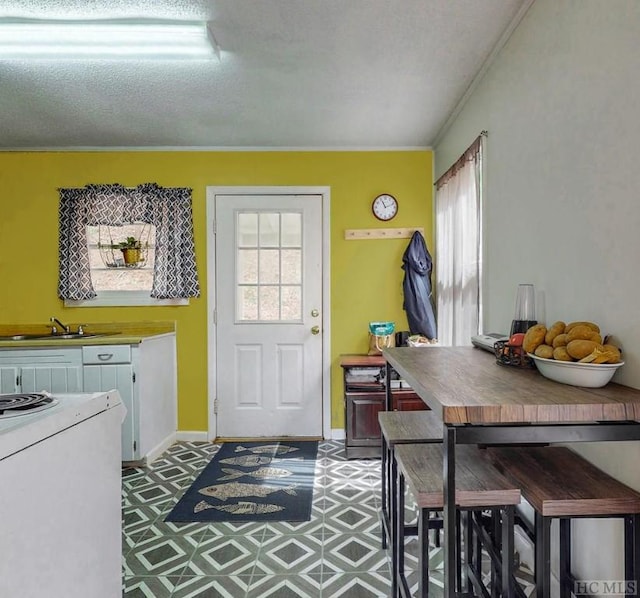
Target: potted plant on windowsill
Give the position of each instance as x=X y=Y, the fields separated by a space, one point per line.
x=131 y=250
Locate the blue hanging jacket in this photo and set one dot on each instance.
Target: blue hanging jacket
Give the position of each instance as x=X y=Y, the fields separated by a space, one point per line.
x=418 y=303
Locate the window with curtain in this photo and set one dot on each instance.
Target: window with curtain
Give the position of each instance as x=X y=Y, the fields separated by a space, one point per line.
x=115 y=263
x=458 y=204
x=168 y=213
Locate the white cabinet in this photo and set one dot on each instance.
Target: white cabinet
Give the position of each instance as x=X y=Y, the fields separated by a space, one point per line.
x=145 y=376
x=9 y=377
x=107 y=368
x=34 y=370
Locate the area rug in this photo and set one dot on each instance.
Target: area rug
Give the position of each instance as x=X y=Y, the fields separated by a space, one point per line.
x=252 y=481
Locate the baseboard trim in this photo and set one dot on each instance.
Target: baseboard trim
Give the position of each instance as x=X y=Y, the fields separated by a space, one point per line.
x=268 y=439
x=160 y=448
x=337 y=434
x=196 y=436
x=192 y=436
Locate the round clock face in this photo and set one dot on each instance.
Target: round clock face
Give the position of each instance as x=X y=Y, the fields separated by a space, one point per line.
x=385 y=207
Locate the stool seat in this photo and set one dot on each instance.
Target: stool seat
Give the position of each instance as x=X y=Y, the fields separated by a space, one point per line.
x=479 y=487
x=558 y=482
x=399 y=427
x=478 y=483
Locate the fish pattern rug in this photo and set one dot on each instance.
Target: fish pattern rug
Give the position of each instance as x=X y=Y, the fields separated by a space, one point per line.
x=252 y=481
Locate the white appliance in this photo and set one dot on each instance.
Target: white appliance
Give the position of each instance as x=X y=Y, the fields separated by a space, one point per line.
x=60 y=498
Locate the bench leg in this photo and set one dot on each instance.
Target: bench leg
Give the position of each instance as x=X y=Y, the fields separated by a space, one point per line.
x=423 y=554
x=565 y=558
x=478 y=546
x=473 y=552
x=496 y=537
x=543 y=558
x=467 y=529
x=392 y=495
x=384 y=494
x=397 y=538
x=459 y=578
x=436 y=531
x=508 y=589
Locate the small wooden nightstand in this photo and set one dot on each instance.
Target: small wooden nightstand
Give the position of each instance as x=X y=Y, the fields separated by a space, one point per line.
x=364 y=397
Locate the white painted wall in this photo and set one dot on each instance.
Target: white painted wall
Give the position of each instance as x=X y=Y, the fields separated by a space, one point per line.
x=561 y=104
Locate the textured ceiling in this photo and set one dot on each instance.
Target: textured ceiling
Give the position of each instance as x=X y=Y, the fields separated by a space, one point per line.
x=294 y=73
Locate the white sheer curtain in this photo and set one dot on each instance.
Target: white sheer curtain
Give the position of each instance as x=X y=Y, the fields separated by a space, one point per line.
x=458 y=249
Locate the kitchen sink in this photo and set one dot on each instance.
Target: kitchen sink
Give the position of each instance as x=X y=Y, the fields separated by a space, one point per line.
x=67 y=336
x=39 y=337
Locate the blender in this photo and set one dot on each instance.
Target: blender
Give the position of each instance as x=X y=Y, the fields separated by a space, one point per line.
x=525 y=314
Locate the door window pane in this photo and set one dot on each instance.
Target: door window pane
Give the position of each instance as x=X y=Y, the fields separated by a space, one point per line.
x=269 y=230
x=291 y=303
x=269 y=266
x=247 y=266
x=269 y=303
x=292 y=230
x=247 y=230
x=291 y=266
x=248 y=303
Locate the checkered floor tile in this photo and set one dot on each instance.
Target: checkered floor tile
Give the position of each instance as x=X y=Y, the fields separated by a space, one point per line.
x=336 y=554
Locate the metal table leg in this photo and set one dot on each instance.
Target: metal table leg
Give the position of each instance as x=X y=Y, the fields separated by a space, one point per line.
x=632 y=554
x=449 y=513
x=387 y=388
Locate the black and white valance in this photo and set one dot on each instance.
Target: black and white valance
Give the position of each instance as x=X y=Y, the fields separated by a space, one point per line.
x=168 y=209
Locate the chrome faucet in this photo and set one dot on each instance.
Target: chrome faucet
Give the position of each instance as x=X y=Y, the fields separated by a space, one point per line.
x=55 y=321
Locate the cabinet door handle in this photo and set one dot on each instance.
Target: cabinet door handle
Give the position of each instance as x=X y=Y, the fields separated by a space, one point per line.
x=105 y=356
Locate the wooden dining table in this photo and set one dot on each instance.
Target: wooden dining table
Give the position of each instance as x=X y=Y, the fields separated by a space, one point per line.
x=482 y=402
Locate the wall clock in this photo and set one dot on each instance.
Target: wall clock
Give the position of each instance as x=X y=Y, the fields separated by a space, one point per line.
x=385 y=207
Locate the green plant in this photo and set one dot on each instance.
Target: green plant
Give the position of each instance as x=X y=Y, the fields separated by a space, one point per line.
x=130 y=243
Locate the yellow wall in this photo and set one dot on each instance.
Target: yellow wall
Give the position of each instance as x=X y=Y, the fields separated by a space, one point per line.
x=366 y=276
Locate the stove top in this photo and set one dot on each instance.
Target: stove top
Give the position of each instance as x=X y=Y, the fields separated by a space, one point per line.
x=49 y=415
x=13 y=405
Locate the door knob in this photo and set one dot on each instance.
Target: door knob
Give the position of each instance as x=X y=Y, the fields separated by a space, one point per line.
x=315 y=330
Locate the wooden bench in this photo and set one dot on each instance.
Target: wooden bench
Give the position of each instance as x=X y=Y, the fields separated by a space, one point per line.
x=479 y=487
x=400 y=427
x=560 y=484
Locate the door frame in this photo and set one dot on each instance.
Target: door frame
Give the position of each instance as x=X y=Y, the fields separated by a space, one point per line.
x=212 y=345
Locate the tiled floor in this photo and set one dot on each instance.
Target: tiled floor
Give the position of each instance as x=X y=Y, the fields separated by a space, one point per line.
x=335 y=554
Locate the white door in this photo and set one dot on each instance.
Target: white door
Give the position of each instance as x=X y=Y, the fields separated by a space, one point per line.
x=269 y=320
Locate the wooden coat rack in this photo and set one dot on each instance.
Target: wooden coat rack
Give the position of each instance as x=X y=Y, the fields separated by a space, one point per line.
x=355 y=234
